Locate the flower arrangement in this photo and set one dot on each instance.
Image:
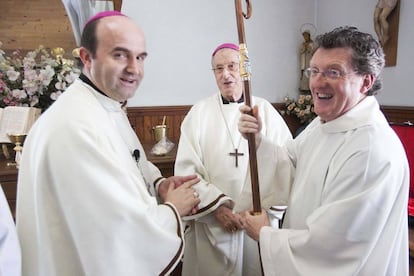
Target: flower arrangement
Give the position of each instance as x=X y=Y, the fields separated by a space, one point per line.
x=302 y=108
x=36 y=79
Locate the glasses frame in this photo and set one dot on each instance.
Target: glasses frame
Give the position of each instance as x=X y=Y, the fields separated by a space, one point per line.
x=230 y=67
x=330 y=74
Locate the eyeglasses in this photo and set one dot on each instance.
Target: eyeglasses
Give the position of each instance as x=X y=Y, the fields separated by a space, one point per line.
x=231 y=67
x=332 y=74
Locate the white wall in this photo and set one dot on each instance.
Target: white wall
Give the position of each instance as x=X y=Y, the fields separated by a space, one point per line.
x=181 y=37
x=397 y=89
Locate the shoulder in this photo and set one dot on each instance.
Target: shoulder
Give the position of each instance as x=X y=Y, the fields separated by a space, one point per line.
x=260 y=101
x=376 y=143
x=204 y=105
x=76 y=109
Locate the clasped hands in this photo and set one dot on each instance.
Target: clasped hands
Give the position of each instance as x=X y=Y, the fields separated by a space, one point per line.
x=178 y=191
x=230 y=221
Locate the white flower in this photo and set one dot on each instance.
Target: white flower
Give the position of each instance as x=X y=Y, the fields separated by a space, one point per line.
x=30 y=75
x=31 y=55
x=71 y=77
x=46 y=75
x=20 y=94
x=34 y=100
x=60 y=85
x=302 y=108
x=30 y=86
x=29 y=62
x=55 y=95
x=12 y=74
x=36 y=79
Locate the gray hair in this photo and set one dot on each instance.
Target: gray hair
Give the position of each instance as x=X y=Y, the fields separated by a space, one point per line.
x=367 y=54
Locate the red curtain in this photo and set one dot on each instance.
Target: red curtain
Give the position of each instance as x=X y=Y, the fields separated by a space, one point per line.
x=406 y=134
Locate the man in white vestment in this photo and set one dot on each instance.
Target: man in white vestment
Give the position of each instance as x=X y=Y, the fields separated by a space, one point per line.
x=211 y=146
x=347 y=211
x=10 y=256
x=86 y=200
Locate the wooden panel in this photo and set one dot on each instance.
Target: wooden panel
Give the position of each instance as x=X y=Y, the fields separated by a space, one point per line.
x=291 y=120
x=8 y=181
x=398 y=114
x=25 y=24
x=143 y=119
x=117 y=5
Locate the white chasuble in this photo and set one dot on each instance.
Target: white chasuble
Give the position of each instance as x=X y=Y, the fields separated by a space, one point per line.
x=347 y=211
x=209 y=138
x=83 y=207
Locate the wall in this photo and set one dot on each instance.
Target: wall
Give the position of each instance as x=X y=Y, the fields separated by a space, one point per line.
x=397 y=88
x=181 y=37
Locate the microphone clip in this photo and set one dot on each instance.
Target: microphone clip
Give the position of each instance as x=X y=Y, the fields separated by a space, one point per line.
x=136 y=154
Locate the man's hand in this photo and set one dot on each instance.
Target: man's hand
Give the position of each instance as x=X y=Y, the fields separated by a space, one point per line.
x=184 y=197
x=176 y=181
x=227 y=219
x=250 y=123
x=253 y=223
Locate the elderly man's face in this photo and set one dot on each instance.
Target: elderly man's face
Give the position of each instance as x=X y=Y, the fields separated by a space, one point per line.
x=226 y=72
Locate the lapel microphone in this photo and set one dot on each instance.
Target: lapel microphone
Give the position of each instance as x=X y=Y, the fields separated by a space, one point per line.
x=136 y=154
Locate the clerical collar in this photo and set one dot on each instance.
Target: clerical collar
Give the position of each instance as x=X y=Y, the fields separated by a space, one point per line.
x=86 y=80
x=225 y=101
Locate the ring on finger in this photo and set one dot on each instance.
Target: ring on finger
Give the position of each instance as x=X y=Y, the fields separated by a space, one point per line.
x=195 y=194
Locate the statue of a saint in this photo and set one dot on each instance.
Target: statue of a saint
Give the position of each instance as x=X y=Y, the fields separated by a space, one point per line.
x=382 y=10
x=306 y=50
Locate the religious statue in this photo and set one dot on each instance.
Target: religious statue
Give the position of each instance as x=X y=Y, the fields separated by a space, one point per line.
x=306 y=50
x=381 y=13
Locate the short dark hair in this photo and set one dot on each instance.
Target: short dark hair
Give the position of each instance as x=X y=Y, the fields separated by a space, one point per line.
x=367 y=54
x=89 y=39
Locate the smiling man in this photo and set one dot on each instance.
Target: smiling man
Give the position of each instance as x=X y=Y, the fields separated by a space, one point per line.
x=85 y=204
x=347 y=210
x=212 y=147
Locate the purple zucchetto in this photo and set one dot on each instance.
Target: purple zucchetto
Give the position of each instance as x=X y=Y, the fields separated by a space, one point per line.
x=225 y=45
x=102 y=15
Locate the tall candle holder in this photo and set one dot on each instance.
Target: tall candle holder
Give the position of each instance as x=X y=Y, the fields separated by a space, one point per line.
x=17 y=140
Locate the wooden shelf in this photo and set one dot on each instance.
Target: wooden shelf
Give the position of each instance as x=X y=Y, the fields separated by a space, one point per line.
x=8 y=181
x=164 y=162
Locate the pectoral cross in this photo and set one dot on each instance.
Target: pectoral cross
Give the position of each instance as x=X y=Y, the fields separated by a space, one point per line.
x=236 y=155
